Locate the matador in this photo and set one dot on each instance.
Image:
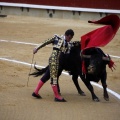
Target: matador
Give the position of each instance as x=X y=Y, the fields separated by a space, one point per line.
x=60 y=44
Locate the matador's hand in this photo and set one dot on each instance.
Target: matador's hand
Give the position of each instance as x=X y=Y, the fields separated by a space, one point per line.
x=35 y=50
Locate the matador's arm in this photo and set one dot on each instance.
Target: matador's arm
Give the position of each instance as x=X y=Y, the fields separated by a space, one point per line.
x=43 y=44
x=46 y=42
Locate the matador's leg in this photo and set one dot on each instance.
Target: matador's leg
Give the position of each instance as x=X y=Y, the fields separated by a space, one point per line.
x=53 y=65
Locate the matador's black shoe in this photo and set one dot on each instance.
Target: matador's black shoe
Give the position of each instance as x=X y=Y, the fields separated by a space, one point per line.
x=59 y=100
x=36 y=96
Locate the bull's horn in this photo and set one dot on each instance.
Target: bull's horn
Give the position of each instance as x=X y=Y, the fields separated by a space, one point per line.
x=86 y=56
x=106 y=58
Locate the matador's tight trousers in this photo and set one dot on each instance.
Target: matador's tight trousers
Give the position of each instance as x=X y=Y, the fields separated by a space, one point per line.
x=53 y=66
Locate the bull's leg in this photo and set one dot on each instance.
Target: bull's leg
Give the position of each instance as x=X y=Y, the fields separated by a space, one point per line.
x=75 y=80
x=90 y=87
x=103 y=81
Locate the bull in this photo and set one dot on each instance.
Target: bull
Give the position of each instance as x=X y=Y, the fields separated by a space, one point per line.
x=95 y=62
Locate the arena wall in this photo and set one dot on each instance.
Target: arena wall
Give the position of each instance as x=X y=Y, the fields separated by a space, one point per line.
x=101 y=4
x=69 y=9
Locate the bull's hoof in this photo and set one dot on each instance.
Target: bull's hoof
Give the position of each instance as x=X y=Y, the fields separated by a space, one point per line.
x=96 y=100
x=59 y=100
x=82 y=93
x=106 y=98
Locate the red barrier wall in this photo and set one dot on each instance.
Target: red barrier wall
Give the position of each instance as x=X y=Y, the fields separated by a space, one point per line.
x=101 y=4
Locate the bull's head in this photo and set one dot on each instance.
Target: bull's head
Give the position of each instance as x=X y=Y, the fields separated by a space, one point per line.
x=95 y=63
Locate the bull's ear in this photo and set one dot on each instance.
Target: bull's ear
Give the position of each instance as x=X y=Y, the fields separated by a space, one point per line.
x=86 y=56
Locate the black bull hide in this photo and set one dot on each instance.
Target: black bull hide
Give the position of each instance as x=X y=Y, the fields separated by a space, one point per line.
x=73 y=64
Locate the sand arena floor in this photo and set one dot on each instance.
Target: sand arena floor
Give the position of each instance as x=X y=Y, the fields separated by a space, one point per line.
x=16 y=102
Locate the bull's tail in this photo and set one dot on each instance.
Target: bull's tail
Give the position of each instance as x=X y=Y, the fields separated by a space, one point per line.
x=38 y=71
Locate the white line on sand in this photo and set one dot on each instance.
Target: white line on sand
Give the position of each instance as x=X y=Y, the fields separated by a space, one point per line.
x=26 y=43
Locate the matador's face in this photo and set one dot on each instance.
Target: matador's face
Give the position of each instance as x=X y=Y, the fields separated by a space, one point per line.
x=68 y=38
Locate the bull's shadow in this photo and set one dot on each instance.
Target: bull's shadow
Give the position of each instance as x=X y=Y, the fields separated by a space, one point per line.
x=95 y=64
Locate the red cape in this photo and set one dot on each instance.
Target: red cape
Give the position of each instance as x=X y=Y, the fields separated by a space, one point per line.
x=101 y=36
